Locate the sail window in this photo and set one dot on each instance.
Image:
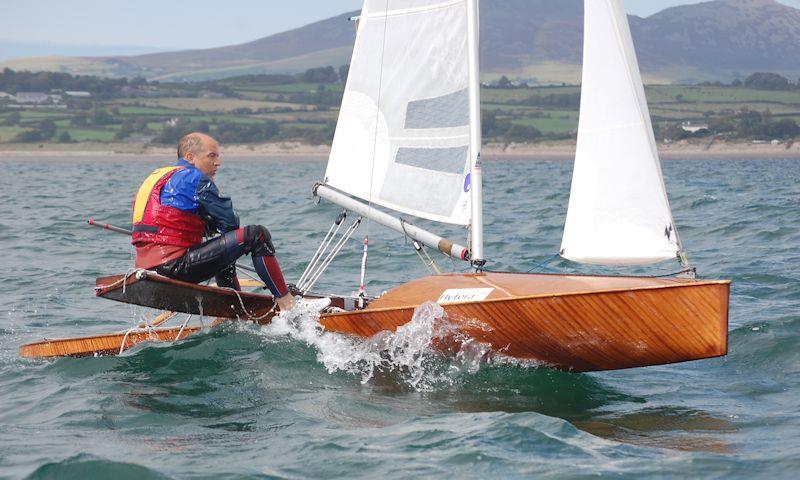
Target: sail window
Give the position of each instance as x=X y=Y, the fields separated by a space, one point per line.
x=451 y=110
x=446 y=160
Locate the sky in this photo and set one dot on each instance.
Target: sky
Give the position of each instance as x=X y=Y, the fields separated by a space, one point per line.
x=182 y=24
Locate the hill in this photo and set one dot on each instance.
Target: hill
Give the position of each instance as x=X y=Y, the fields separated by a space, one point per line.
x=535 y=40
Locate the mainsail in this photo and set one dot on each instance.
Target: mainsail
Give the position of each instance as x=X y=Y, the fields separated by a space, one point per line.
x=404 y=139
x=618 y=208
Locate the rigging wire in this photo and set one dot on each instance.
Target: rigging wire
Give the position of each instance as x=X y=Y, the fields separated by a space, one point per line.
x=322 y=247
x=423 y=255
x=430 y=263
x=337 y=247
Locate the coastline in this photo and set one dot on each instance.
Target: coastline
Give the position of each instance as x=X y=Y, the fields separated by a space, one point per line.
x=565 y=151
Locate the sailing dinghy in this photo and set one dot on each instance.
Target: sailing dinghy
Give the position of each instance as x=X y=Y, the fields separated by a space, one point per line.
x=408 y=139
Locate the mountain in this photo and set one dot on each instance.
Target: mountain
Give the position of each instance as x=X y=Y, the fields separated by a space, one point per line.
x=12 y=49
x=537 y=40
x=328 y=42
x=723 y=35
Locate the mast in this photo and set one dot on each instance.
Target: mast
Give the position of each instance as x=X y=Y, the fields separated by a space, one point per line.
x=476 y=173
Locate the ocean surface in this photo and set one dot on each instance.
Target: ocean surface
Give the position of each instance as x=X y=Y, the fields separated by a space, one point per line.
x=288 y=402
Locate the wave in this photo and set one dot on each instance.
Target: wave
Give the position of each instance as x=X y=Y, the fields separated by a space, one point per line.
x=412 y=354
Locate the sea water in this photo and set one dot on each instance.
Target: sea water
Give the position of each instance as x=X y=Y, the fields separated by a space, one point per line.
x=291 y=401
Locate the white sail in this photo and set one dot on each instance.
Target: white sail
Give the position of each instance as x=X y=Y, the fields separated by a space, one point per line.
x=403 y=139
x=618 y=208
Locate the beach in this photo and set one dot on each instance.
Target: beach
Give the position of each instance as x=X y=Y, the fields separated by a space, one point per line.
x=564 y=150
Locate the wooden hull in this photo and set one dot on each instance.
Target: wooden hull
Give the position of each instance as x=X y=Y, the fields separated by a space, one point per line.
x=100 y=345
x=152 y=290
x=577 y=323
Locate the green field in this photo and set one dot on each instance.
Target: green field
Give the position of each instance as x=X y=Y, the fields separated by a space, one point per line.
x=136 y=111
x=553 y=111
x=86 y=134
x=669 y=93
x=8 y=133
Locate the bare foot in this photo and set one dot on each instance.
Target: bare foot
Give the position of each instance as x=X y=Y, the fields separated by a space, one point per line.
x=286 y=302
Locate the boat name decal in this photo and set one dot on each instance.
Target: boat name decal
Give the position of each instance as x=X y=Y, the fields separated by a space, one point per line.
x=458 y=295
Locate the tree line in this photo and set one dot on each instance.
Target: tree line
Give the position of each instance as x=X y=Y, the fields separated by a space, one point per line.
x=759 y=81
x=103 y=88
x=745 y=124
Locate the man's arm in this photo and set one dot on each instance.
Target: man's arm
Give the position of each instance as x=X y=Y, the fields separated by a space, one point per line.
x=216 y=209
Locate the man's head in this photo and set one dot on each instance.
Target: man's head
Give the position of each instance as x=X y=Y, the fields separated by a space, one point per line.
x=200 y=150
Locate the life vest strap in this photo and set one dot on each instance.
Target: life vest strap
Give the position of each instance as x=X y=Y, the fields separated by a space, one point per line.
x=143 y=195
x=145 y=228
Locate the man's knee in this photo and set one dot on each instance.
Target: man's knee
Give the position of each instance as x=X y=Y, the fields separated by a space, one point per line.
x=259 y=240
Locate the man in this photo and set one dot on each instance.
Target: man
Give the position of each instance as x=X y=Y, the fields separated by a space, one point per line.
x=177 y=206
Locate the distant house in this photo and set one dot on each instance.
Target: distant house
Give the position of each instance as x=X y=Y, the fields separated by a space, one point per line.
x=7 y=96
x=693 y=127
x=209 y=94
x=139 y=139
x=32 y=97
x=78 y=94
x=144 y=92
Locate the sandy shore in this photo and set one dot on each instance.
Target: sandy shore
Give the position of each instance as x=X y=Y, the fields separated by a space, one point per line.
x=298 y=151
x=671 y=151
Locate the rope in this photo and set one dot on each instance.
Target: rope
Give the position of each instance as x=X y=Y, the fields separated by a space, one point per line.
x=250 y=316
x=186 y=322
x=180 y=332
x=123 y=281
x=691 y=270
x=146 y=329
x=543 y=264
x=125 y=338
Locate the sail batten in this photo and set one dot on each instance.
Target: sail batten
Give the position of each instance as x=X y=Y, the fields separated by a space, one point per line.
x=404 y=135
x=618 y=210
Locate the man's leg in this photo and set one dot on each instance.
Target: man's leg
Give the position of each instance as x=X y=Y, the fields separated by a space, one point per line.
x=258 y=243
x=227 y=278
x=217 y=258
x=214 y=258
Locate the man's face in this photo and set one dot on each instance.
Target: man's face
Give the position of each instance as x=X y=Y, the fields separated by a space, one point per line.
x=207 y=160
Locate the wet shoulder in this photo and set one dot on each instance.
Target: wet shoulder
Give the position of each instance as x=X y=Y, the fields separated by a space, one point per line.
x=188 y=177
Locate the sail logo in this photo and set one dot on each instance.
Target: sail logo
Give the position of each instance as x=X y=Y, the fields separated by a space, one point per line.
x=467 y=182
x=461 y=295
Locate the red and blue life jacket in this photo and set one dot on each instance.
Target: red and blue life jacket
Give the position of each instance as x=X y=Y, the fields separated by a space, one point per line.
x=157 y=224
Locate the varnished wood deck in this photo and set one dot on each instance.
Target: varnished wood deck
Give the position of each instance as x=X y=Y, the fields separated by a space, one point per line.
x=580 y=323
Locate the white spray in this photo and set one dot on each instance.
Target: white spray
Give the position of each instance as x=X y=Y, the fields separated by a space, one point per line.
x=408 y=354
